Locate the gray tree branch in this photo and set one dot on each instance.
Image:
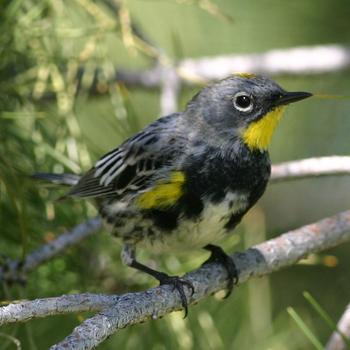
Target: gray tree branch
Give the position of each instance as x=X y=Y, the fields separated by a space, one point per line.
x=293 y=61
x=16 y=270
x=169 y=92
x=336 y=341
x=116 y=312
x=169 y=77
x=310 y=167
x=297 y=60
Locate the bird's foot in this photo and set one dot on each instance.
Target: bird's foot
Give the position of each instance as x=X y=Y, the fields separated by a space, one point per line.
x=175 y=281
x=178 y=284
x=219 y=256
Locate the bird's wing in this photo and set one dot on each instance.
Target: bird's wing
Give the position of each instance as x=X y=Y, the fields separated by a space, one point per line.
x=133 y=165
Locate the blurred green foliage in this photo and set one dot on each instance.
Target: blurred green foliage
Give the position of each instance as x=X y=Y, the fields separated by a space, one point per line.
x=47 y=125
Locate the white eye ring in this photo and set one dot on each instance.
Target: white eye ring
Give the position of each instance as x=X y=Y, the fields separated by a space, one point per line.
x=243 y=102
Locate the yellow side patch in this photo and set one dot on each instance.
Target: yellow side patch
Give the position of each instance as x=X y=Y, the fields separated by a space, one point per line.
x=258 y=134
x=163 y=194
x=245 y=75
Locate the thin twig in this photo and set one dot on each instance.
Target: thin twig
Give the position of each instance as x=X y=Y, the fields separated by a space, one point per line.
x=336 y=341
x=297 y=60
x=121 y=311
x=65 y=304
x=170 y=89
x=15 y=270
x=310 y=167
x=292 y=61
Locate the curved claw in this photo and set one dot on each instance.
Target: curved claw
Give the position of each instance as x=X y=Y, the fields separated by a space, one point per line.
x=233 y=276
x=178 y=284
x=219 y=256
x=188 y=284
x=163 y=278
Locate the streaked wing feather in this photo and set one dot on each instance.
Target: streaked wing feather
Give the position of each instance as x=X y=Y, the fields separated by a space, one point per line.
x=131 y=166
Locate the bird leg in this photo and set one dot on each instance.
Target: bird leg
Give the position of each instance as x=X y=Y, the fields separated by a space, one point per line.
x=128 y=258
x=219 y=256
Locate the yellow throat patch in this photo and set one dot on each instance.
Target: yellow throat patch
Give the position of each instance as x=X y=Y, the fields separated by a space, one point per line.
x=163 y=194
x=258 y=134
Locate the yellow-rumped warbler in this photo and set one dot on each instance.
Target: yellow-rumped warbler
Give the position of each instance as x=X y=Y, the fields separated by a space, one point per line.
x=188 y=178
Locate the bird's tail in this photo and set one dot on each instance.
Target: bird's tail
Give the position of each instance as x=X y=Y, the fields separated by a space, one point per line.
x=57 y=179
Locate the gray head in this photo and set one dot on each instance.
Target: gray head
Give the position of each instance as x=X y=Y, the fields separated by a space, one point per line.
x=243 y=105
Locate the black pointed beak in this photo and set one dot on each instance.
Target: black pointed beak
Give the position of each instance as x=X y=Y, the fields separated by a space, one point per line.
x=290 y=97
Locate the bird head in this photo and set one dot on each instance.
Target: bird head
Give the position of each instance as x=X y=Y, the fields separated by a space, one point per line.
x=243 y=106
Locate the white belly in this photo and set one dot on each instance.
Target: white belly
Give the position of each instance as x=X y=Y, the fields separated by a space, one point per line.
x=209 y=227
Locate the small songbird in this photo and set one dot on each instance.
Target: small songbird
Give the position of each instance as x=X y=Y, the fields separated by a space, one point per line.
x=187 y=179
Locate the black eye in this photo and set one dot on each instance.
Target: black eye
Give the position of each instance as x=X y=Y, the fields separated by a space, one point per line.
x=243 y=102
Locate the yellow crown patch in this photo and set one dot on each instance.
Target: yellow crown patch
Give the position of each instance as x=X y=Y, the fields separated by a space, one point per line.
x=245 y=75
